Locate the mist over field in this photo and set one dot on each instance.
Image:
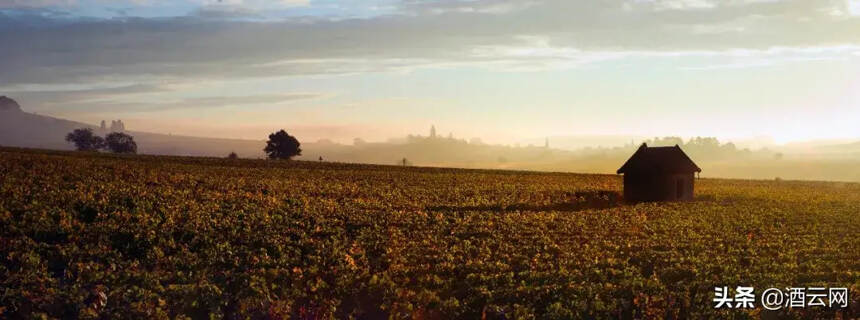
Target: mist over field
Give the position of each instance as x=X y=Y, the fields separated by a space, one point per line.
x=836 y=160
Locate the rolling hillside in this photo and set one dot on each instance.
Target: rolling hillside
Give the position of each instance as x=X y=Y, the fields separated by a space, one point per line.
x=28 y=130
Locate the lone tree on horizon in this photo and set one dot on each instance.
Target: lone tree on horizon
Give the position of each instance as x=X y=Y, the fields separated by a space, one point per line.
x=85 y=140
x=118 y=142
x=281 y=145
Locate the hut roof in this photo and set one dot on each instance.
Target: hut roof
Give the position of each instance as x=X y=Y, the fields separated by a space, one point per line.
x=659 y=159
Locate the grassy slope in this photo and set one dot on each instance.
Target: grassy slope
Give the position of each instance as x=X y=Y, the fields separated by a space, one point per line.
x=146 y=236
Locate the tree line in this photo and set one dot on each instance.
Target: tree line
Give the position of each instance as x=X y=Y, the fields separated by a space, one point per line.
x=280 y=145
x=117 y=142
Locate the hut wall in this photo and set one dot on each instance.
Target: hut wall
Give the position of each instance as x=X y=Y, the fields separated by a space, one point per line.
x=658 y=187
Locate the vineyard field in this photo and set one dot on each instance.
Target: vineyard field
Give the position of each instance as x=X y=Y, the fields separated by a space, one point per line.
x=98 y=236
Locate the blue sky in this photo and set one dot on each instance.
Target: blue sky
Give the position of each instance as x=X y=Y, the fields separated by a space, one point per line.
x=501 y=70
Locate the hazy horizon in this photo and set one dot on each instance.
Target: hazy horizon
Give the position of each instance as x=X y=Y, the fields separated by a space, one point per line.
x=503 y=71
x=559 y=142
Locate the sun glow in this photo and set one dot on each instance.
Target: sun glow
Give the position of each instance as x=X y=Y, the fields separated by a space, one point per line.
x=854 y=7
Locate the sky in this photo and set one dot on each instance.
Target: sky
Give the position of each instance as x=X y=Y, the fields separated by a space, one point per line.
x=500 y=70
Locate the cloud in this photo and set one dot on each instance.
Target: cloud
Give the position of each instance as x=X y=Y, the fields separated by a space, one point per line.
x=193 y=103
x=5 y=4
x=143 y=98
x=247 y=100
x=222 y=12
x=416 y=34
x=464 y=6
x=260 y=4
x=40 y=98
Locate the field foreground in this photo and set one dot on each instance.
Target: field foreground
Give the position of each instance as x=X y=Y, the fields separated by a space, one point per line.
x=102 y=236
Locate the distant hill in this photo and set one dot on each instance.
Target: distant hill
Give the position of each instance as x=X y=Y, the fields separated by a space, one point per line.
x=7 y=104
x=23 y=129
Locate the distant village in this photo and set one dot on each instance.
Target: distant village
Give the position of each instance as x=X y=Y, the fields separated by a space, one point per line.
x=115 y=126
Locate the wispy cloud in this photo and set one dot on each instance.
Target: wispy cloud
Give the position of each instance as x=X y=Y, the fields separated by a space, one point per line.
x=5 y=4
x=145 y=98
x=572 y=32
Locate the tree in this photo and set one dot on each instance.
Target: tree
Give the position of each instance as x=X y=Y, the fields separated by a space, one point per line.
x=232 y=155
x=85 y=140
x=281 y=145
x=118 y=142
